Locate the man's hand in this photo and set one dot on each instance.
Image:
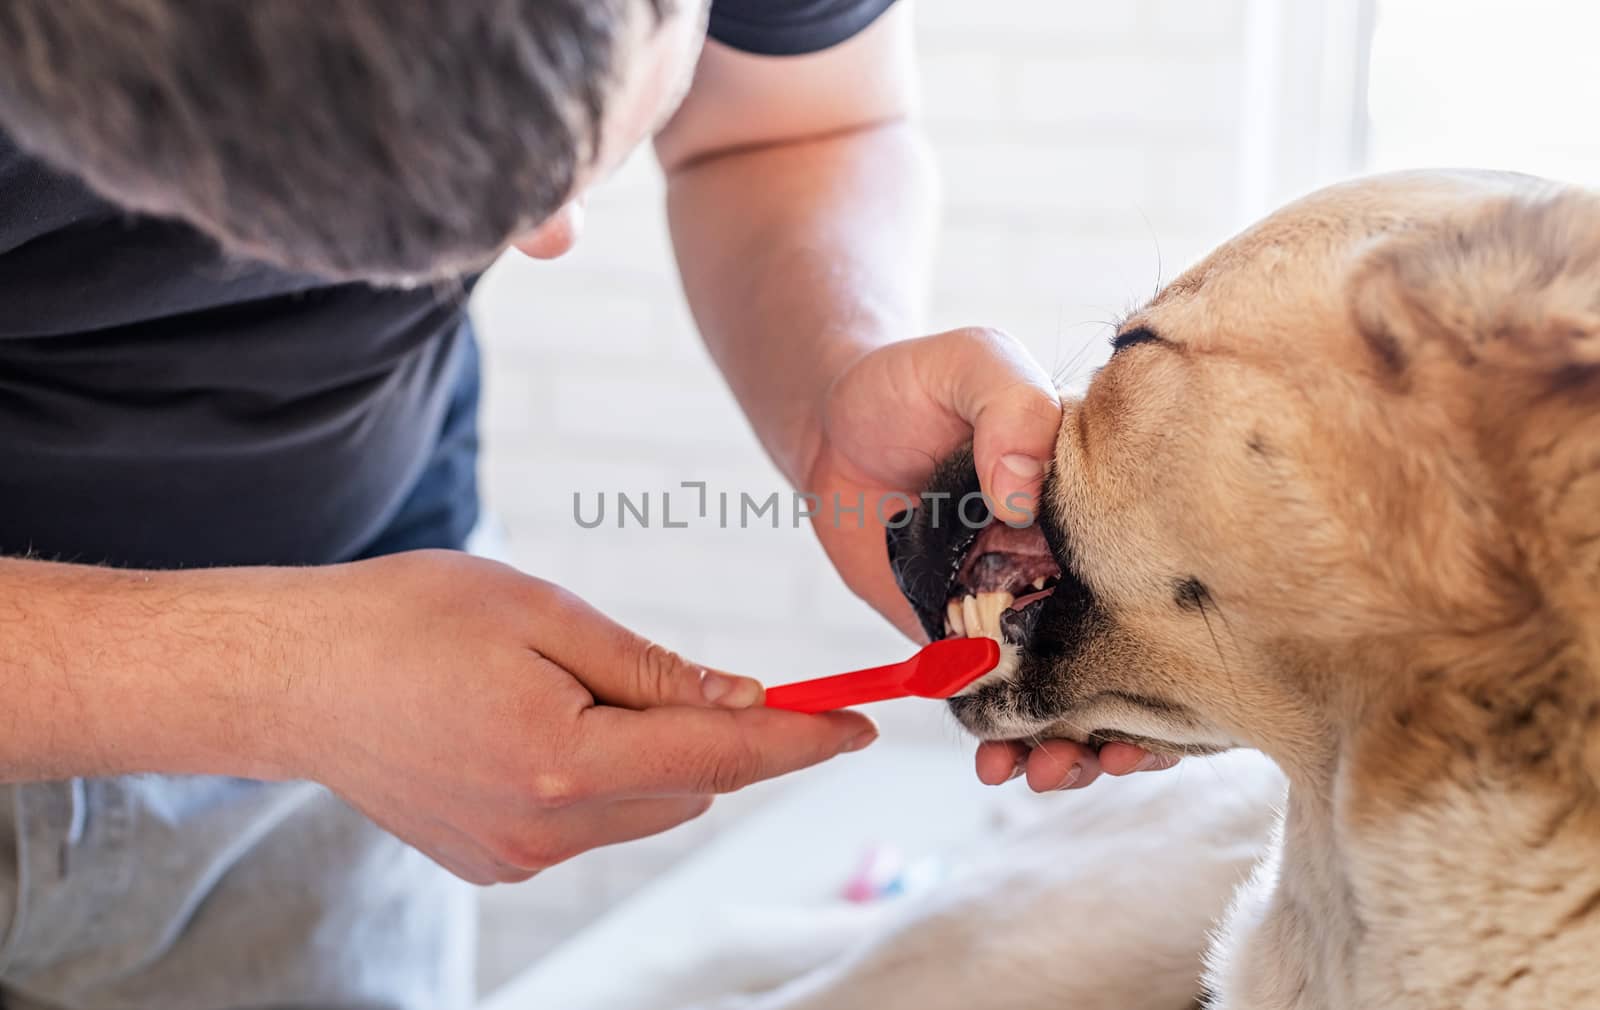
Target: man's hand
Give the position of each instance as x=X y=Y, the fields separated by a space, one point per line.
x=900 y=409
x=885 y=422
x=501 y=725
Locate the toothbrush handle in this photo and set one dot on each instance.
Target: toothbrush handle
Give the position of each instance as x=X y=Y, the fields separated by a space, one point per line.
x=878 y=683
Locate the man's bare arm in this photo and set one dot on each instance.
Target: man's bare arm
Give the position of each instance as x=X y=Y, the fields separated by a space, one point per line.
x=801 y=201
x=105 y=671
x=487 y=717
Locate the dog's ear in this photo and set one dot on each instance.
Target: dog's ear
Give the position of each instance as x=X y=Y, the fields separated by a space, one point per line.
x=1514 y=285
x=1495 y=321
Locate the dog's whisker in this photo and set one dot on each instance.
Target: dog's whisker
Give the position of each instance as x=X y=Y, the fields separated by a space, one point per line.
x=1201 y=599
x=1065 y=375
x=1155 y=240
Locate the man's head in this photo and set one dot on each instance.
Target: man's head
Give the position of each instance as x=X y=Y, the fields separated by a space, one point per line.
x=347 y=138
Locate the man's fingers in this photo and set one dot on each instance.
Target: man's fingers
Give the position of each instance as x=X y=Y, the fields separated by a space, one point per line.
x=1000 y=761
x=641 y=674
x=997 y=387
x=454 y=850
x=681 y=751
x=624 y=669
x=1061 y=764
x=591 y=827
x=1125 y=758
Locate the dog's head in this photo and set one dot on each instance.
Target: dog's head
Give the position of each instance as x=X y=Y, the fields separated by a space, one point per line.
x=1356 y=444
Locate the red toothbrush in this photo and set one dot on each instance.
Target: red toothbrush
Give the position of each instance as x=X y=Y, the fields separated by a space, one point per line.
x=938 y=671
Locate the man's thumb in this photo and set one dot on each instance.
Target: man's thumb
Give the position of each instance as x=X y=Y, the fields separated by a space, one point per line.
x=653 y=675
x=625 y=670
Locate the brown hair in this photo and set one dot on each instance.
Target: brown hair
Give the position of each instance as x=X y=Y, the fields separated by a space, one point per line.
x=346 y=138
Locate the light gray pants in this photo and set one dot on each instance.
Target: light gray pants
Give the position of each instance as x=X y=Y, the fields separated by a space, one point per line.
x=198 y=893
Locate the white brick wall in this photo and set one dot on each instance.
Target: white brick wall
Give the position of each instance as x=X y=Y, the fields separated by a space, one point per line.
x=1077 y=138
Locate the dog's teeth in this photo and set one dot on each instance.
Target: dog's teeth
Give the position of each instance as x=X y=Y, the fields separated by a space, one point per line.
x=953 y=622
x=1000 y=604
x=980 y=614
x=1039 y=582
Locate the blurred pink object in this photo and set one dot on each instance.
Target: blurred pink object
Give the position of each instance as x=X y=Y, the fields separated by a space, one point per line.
x=879 y=870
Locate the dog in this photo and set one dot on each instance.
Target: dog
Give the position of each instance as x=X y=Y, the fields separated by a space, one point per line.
x=1336 y=497
x=1333 y=505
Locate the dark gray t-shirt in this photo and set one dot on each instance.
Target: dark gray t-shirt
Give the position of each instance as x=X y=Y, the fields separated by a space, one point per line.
x=164 y=406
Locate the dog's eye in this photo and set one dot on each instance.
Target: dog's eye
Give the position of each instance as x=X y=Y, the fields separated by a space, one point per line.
x=1137 y=335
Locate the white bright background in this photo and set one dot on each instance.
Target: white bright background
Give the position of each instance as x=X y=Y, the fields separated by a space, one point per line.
x=1089 y=150
x=1488 y=84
